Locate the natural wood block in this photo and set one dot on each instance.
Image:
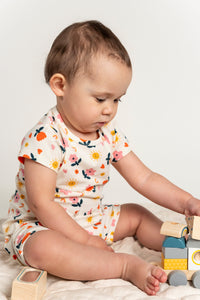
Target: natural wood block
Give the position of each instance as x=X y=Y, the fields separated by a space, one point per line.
x=194 y=226
x=30 y=284
x=173 y=229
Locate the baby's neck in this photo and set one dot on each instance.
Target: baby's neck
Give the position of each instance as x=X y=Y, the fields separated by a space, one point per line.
x=87 y=137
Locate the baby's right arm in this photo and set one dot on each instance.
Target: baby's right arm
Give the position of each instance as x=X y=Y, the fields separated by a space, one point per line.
x=40 y=184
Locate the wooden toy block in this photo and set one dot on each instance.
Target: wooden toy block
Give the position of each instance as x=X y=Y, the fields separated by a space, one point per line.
x=189 y=273
x=174 y=252
x=173 y=229
x=193 y=254
x=174 y=264
x=30 y=284
x=172 y=242
x=194 y=226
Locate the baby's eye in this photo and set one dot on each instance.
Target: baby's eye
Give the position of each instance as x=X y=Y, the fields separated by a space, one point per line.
x=100 y=99
x=117 y=100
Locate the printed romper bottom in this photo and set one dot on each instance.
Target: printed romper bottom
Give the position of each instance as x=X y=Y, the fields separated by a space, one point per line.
x=105 y=228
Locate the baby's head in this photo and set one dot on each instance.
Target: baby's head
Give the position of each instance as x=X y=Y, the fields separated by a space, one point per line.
x=74 y=48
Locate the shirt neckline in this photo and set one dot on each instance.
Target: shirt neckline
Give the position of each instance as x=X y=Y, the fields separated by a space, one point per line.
x=72 y=135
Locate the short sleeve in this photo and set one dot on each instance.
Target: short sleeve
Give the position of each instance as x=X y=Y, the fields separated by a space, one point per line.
x=120 y=144
x=43 y=145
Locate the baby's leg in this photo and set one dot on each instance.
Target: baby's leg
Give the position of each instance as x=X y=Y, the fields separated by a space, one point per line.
x=50 y=251
x=137 y=221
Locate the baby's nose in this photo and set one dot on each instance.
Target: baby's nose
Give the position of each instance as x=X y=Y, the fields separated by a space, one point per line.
x=108 y=109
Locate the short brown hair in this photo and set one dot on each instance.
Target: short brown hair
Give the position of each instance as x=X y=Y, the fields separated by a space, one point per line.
x=76 y=44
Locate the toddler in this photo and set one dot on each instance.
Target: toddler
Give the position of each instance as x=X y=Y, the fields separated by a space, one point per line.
x=57 y=220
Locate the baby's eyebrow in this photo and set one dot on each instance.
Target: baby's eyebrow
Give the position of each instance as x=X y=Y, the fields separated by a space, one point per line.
x=106 y=94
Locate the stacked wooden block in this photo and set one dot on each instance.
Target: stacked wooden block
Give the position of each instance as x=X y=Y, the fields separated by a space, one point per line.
x=177 y=252
x=174 y=251
x=193 y=224
x=193 y=243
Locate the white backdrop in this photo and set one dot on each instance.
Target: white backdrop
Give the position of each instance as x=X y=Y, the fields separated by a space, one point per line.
x=160 y=113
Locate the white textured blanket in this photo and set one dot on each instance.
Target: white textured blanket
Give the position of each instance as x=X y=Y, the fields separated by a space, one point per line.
x=115 y=289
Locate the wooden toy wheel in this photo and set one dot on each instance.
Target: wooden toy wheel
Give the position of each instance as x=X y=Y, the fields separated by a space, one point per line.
x=196 y=279
x=177 y=278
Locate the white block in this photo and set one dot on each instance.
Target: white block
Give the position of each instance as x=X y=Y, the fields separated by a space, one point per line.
x=193 y=254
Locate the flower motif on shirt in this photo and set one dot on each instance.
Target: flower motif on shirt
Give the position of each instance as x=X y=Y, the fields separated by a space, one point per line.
x=32 y=157
x=74 y=160
x=62 y=148
x=65 y=142
x=87 y=144
x=64 y=145
x=39 y=134
x=17 y=212
x=117 y=156
x=17 y=197
x=108 y=158
x=89 y=172
x=75 y=201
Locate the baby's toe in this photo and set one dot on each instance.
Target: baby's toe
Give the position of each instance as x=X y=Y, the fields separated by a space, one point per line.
x=159 y=274
x=152 y=281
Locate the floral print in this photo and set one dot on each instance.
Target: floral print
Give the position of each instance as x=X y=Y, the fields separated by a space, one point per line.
x=82 y=169
x=74 y=160
x=117 y=155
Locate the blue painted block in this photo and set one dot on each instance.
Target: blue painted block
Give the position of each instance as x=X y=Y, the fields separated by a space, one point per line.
x=172 y=242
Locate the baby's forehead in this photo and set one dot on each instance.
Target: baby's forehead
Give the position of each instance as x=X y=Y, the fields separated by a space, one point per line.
x=108 y=75
x=99 y=60
x=100 y=68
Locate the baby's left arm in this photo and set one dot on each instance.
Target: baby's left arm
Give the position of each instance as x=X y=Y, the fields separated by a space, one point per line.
x=156 y=187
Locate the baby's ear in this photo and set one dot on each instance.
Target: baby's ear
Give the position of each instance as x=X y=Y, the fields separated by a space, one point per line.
x=58 y=84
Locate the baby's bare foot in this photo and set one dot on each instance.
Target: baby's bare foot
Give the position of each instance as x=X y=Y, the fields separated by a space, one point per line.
x=145 y=276
x=153 y=280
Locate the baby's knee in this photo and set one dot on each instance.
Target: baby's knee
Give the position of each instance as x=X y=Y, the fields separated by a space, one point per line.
x=35 y=250
x=134 y=210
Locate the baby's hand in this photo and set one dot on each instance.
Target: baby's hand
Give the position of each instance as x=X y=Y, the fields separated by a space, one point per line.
x=192 y=207
x=98 y=242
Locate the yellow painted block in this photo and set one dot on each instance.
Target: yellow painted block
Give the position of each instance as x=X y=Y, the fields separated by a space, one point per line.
x=174 y=263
